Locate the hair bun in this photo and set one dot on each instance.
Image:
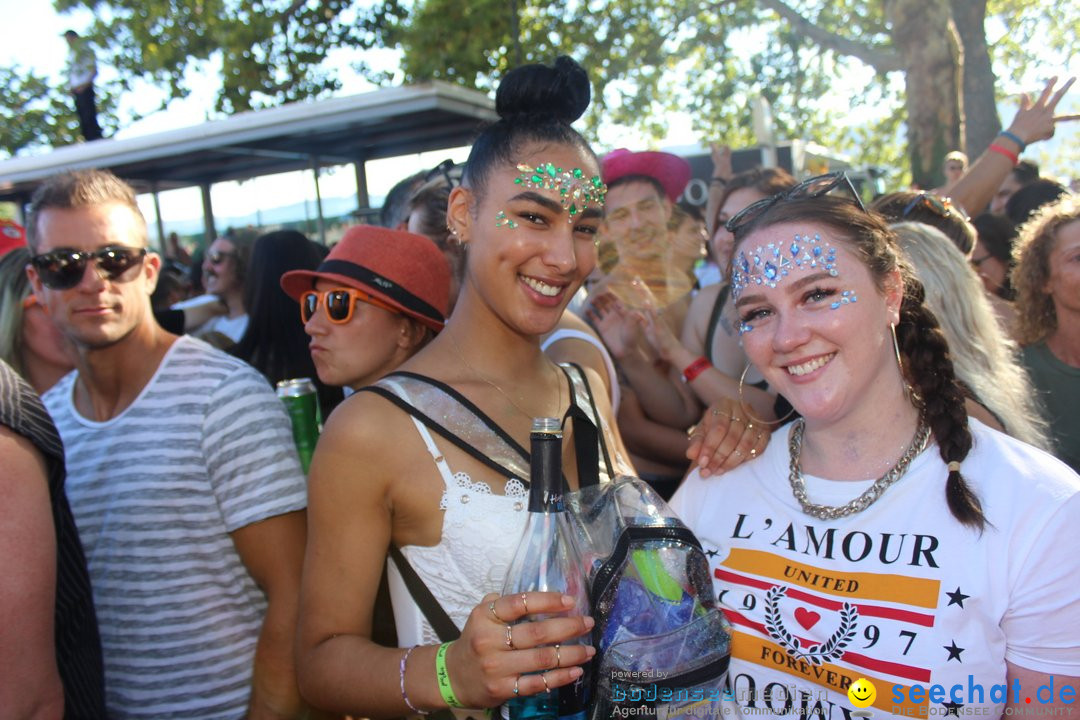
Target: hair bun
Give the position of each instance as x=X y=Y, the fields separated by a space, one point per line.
x=561 y=91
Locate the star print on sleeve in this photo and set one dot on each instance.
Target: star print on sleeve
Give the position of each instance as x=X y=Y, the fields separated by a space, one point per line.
x=711 y=553
x=957 y=597
x=954 y=651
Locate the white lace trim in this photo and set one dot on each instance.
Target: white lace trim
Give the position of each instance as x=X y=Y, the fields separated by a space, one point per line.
x=464 y=485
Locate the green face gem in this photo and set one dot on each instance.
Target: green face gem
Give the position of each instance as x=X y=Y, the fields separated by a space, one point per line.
x=574 y=188
x=502 y=221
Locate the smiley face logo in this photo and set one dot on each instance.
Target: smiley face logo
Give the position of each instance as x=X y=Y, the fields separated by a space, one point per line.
x=862 y=693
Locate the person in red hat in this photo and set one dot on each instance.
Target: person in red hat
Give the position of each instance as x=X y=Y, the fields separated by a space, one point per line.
x=377 y=298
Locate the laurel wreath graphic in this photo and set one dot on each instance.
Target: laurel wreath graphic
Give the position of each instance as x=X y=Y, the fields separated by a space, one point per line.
x=831 y=649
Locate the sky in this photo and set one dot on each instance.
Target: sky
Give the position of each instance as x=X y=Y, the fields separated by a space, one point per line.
x=34 y=41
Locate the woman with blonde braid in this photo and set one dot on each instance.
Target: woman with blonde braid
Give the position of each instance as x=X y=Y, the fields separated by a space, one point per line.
x=885 y=549
x=983 y=356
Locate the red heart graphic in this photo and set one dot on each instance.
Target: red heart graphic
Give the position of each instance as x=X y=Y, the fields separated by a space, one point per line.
x=806 y=618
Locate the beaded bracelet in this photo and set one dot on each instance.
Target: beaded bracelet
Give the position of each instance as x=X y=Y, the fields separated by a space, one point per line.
x=690 y=373
x=718 y=181
x=443 y=677
x=1015 y=138
x=994 y=147
x=401 y=676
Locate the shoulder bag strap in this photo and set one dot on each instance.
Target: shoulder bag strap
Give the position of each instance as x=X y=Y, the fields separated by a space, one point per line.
x=441 y=623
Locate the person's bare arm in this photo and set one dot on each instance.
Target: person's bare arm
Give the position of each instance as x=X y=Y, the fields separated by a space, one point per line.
x=721 y=174
x=663 y=401
x=1056 y=705
x=272 y=551
x=1034 y=121
x=29 y=680
x=350 y=526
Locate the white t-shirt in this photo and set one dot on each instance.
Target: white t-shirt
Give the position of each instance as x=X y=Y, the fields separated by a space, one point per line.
x=204 y=450
x=232 y=327
x=900 y=594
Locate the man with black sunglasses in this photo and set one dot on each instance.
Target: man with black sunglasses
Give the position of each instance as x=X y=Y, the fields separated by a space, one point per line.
x=182 y=475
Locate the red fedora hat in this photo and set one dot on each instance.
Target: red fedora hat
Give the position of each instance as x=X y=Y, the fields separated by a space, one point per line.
x=405 y=270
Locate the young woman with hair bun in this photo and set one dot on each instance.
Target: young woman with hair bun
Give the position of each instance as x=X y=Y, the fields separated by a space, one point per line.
x=883 y=535
x=431 y=460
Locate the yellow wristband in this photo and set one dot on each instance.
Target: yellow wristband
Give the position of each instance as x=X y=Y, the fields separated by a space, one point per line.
x=443 y=677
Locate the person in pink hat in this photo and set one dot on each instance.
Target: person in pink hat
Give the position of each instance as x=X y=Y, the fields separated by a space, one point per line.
x=377 y=298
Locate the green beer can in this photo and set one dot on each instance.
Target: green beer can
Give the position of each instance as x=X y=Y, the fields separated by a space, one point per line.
x=302 y=404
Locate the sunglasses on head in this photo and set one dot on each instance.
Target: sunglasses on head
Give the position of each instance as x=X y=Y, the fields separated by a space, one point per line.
x=64 y=269
x=340 y=304
x=812 y=188
x=942 y=207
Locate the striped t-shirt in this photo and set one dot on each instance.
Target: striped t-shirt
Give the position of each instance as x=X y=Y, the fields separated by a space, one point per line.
x=206 y=448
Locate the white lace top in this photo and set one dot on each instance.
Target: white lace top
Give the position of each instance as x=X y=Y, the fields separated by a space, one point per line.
x=480 y=528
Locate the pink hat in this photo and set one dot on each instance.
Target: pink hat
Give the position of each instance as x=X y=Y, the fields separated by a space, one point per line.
x=671 y=171
x=12 y=235
x=405 y=270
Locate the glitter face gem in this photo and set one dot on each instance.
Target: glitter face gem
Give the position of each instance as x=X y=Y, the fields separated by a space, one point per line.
x=848 y=296
x=502 y=221
x=575 y=190
x=768 y=264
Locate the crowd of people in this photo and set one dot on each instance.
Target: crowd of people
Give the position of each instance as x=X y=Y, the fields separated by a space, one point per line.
x=856 y=406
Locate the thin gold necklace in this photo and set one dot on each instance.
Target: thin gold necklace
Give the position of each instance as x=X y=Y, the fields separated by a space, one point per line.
x=529 y=415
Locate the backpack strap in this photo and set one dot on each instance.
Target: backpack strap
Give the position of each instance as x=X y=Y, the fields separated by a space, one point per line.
x=436 y=616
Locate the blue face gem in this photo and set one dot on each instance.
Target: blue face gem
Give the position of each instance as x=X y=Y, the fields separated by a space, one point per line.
x=745 y=328
x=846 y=297
x=768 y=264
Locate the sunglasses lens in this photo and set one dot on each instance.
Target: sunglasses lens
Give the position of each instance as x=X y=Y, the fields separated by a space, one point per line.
x=116 y=261
x=60 y=270
x=309 y=303
x=338 y=303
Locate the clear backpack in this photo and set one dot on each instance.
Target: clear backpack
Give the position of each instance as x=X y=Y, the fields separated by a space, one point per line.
x=663 y=646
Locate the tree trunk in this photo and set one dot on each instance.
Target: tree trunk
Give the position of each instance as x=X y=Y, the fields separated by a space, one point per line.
x=920 y=32
x=981 y=121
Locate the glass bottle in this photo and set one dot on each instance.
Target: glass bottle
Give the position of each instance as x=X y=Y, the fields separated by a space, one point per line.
x=547 y=559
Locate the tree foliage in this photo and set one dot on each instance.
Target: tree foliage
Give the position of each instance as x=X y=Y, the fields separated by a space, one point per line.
x=35 y=113
x=850 y=74
x=271 y=52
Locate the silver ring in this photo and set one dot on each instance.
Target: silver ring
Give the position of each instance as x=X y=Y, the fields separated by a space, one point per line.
x=753 y=452
x=737 y=453
x=510 y=637
x=558 y=656
x=516 y=691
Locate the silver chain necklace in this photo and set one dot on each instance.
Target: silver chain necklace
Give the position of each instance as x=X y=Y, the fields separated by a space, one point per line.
x=868 y=498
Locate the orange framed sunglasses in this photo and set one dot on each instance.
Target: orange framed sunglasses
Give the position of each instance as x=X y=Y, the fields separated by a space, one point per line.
x=340 y=303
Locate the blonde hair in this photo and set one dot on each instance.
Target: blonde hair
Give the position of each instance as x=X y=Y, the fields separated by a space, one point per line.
x=14 y=288
x=983 y=356
x=1036 y=318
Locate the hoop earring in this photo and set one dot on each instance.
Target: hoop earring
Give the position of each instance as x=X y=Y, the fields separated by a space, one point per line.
x=913 y=395
x=746 y=408
x=896 y=349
